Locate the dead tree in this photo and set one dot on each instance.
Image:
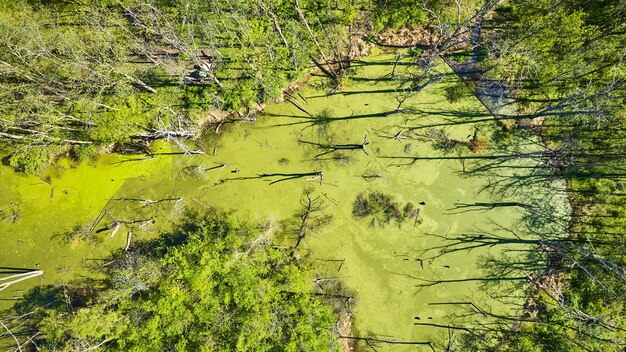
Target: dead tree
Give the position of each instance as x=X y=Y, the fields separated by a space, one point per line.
x=310 y=217
x=326 y=65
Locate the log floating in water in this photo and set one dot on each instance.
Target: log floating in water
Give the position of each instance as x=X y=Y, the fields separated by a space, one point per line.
x=417 y=216
x=117 y=227
x=19 y=277
x=102 y=214
x=109 y=263
x=128 y=238
x=148 y=201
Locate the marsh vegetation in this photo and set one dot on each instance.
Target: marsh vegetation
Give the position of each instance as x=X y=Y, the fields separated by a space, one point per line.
x=381 y=209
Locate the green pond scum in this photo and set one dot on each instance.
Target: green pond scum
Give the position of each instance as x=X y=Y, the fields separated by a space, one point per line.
x=444 y=265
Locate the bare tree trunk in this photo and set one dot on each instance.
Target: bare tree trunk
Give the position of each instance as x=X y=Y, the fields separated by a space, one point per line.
x=296 y=5
x=19 y=278
x=19 y=346
x=128 y=238
x=274 y=20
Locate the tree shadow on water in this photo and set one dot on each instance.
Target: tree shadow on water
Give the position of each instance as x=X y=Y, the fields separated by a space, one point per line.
x=333 y=148
x=23 y=318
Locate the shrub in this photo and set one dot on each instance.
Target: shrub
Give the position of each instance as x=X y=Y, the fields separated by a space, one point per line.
x=30 y=160
x=382 y=208
x=86 y=152
x=216 y=283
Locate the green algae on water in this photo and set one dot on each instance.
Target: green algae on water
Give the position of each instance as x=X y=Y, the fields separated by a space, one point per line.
x=409 y=279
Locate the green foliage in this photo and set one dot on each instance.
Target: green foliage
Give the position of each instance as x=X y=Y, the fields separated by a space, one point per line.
x=88 y=327
x=87 y=152
x=558 y=48
x=103 y=71
x=396 y=14
x=554 y=330
x=406 y=13
x=247 y=93
x=231 y=100
x=216 y=283
x=30 y=160
x=199 y=96
x=415 y=52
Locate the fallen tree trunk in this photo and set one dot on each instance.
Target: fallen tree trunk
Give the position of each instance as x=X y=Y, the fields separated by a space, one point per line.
x=18 y=278
x=128 y=238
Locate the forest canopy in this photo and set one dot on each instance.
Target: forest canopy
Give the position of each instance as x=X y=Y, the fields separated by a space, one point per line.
x=214 y=283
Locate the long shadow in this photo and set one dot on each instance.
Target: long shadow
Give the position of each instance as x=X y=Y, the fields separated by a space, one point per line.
x=468 y=242
x=379 y=79
x=426 y=283
x=292 y=176
x=413 y=159
x=128 y=160
x=475 y=113
x=283 y=176
x=446 y=124
x=332 y=148
x=312 y=121
x=356 y=63
x=25 y=316
x=500 y=165
x=460 y=208
x=191 y=152
x=358 y=92
x=192 y=170
x=376 y=91
x=470 y=157
x=13 y=270
x=338 y=158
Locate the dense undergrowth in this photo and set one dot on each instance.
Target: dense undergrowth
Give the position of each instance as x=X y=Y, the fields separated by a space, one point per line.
x=215 y=282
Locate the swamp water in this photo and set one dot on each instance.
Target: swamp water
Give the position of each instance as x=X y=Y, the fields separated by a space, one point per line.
x=409 y=279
